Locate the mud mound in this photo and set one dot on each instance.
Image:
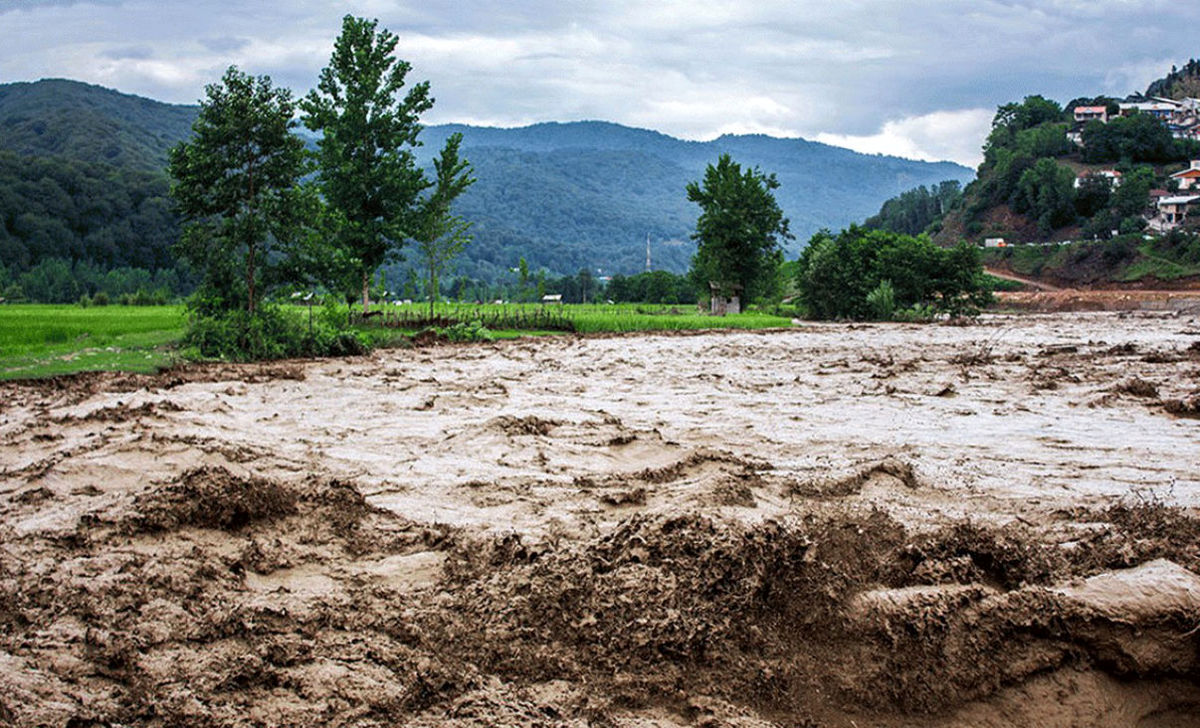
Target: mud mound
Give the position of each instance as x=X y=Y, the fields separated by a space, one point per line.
x=528 y=425
x=852 y=484
x=1184 y=407
x=683 y=468
x=211 y=497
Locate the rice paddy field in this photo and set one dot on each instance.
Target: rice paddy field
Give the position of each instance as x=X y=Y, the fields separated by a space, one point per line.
x=39 y=340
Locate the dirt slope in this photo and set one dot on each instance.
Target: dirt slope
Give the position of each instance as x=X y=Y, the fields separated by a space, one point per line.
x=841 y=525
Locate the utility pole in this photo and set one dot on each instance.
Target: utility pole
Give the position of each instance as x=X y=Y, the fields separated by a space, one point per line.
x=647 y=252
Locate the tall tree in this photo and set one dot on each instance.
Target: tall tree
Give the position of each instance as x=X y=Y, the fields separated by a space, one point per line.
x=740 y=229
x=441 y=235
x=368 y=174
x=236 y=182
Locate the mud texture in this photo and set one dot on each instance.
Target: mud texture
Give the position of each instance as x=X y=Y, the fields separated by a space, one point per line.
x=994 y=524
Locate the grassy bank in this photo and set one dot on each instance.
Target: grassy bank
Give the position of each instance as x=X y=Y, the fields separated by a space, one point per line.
x=1123 y=259
x=38 y=340
x=581 y=318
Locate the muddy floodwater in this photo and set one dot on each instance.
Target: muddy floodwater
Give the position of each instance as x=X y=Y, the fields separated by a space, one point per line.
x=995 y=524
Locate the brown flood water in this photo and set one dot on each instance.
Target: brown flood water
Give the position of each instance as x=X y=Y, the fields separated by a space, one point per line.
x=995 y=524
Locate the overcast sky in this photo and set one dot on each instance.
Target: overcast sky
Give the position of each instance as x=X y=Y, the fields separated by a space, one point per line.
x=915 y=78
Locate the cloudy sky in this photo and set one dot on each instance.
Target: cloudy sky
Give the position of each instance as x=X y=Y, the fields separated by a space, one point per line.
x=915 y=78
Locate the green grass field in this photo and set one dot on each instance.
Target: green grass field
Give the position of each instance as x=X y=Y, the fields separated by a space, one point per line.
x=39 y=340
x=583 y=318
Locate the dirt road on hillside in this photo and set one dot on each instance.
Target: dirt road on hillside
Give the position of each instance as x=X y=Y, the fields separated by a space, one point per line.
x=890 y=525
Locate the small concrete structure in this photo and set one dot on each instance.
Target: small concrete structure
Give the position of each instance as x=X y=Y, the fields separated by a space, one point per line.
x=721 y=303
x=1174 y=210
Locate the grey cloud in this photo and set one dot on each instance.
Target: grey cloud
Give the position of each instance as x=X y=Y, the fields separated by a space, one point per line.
x=224 y=44
x=693 y=68
x=137 y=53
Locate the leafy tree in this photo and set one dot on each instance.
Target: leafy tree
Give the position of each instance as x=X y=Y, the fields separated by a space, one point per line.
x=912 y=212
x=235 y=180
x=368 y=173
x=1136 y=138
x=1132 y=196
x=739 y=231
x=440 y=235
x=843 y=275
x=1013 y=118
x=1092 y=195
x=1046 y=192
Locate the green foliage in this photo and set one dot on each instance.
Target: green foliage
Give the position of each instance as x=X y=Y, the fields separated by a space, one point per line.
x=236 y=184
x=837 y=274
x=1012 y=119
x=368 y=173
x=1135 y=138
x=739 y=231
x=91 y=125
x=271 y=332
x=914 y=211
x=658 y=286
x=440 y=235
x=1046 y=193
x=882 y=300
x=467 y=331
x=81 y=211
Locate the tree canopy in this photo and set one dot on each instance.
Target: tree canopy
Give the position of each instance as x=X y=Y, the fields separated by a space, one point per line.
x=837 y=274
x=235 y=183
x=740 y=229
x=368 y=173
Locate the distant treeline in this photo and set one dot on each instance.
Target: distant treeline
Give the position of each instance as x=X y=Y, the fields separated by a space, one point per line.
x=86 y=212
x=55 y=280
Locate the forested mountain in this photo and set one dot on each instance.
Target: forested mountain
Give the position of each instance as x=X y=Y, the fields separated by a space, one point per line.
x=563 y=196
x=586 y=194
x=90 y=124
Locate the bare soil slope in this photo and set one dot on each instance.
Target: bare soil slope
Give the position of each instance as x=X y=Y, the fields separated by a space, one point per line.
x=839 y=525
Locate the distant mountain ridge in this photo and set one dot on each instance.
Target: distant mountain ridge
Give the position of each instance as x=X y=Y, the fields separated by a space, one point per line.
x=562 y=195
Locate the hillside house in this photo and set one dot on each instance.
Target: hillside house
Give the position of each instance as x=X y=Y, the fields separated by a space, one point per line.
x=1164 y=109
x=1172 y=211
x=1189 y=178
x=1084 y=114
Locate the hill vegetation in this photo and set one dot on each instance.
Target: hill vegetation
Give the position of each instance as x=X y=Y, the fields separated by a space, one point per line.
x=1036 y=185
x=566 y=197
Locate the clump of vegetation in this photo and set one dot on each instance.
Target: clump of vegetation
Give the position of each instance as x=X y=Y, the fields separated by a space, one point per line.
x=844 y=275
x=467 y=332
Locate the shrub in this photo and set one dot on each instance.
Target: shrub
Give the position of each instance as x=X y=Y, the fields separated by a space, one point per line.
x=882 y=300
x=462 y=331
x=270 y=333
x=100 y=299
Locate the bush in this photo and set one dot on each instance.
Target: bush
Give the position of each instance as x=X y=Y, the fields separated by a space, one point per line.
x=100 y=299
x=270 y=333
x=462 y=331
x=839 y=276
x=882 y=300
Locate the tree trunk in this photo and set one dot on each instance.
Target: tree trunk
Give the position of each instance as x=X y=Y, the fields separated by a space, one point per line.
x=432 y=290
x=366 y=278
x=250 y=276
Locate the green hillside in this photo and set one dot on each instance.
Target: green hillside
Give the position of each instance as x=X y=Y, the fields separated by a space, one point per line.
x=1079 y=211
x=90 y=124
x=563 y=196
